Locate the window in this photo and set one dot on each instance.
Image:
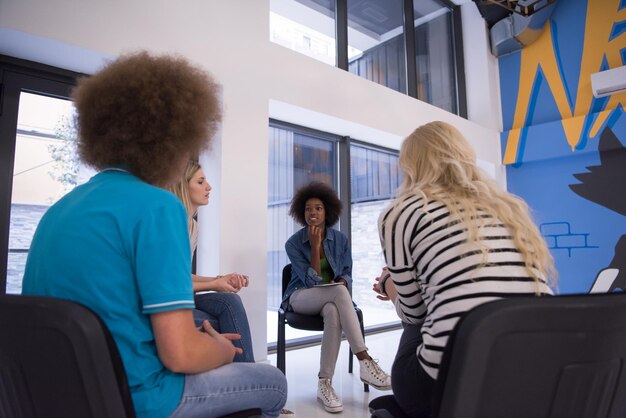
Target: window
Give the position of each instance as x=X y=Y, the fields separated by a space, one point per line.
x=374 y=178
x=376 y=31
x=307 y=27
x=295 y=160
x=298 y=156
x=377 y=41
x=434 y=55
x=37 y=157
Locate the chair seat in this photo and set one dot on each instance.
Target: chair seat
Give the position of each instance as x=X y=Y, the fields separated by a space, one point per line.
x=79 y=373
x=305 y=322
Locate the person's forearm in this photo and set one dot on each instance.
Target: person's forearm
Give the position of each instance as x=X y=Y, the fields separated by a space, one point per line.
x=315 y=261
x=184 y=349
x=204 y=353
x=390 y=290
x=202 y=283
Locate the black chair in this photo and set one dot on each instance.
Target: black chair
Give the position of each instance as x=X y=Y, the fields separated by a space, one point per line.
x=58 y=359
x=305 y=322
x=562 y=356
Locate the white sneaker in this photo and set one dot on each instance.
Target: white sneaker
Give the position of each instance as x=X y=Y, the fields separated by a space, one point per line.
x=285 y=413
x=373 y=375
x=326 y=395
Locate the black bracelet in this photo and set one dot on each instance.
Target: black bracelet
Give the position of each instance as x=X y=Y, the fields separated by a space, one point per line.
x=382 y=284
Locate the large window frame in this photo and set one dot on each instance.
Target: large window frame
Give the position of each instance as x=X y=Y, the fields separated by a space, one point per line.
x=343 y=184
x=341 y=149
x=17 y=76
x=410 y=49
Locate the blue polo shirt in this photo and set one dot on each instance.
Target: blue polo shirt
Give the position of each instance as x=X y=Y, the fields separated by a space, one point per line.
x=119 y=246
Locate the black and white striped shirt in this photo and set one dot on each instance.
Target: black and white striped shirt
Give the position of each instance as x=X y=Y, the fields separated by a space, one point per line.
x=439 y=276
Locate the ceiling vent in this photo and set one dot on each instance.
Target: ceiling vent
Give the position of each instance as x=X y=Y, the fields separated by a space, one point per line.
x=514 y=23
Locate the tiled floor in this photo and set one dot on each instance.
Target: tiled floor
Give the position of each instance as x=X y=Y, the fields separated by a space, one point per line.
x=302 y=367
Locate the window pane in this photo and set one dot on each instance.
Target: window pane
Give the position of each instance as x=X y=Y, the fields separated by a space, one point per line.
x=305 y=26
x=436 y=79
x=374 y=180
x=295 y=159
x=376 y=42
x=46 y=167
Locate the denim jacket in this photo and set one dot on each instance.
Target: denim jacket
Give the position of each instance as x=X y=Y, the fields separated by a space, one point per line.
x=337 y=251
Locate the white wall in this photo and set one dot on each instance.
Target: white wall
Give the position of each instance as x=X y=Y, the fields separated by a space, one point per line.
x=482 y=77
x=260 y=80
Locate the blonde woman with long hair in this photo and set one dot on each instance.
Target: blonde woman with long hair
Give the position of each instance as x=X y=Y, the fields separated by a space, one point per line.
x=452 y=240
x=222 y=307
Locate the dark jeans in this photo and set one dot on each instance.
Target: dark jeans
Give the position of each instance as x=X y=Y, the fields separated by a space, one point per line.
x=413 y=388
x=226 y=314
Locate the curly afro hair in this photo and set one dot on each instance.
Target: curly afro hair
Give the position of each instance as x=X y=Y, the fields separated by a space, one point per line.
x=321 y=191
x=145 y=113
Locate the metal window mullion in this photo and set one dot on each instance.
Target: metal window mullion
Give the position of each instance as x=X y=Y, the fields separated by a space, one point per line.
x=409 y=49
x=459 y=62
x=341 y=33
x=345 y=191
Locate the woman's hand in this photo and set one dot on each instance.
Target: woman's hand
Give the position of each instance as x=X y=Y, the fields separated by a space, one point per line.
x=237 y=281
x=342 y=281
x=315 y=236
x=231 y=282
x=377 y=285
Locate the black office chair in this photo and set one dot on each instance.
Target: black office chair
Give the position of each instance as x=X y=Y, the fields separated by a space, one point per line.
x=562 y=356
x=58 y=359
x=305 y=322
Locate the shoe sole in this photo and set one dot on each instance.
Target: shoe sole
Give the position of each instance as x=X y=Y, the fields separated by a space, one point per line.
x=330 y=408
x=376 y=386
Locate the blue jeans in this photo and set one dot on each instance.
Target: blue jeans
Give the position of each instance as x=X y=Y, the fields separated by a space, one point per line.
x=226 y=314
x=233 y=387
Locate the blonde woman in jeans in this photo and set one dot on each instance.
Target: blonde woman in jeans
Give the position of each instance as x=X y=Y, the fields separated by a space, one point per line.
x=321 y=284
x=222 y=307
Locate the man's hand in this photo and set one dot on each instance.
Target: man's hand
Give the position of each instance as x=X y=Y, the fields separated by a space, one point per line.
x=182 y=349
x=223 y=339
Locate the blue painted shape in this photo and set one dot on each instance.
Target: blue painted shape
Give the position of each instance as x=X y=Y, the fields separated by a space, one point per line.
x=544 y=184
x=509 y=67
x=617 y=29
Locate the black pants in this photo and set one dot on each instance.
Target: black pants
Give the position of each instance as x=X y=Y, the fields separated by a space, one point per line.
x=413 y=388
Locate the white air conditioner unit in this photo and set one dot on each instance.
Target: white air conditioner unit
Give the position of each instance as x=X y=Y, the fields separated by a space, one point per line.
x=609 y=82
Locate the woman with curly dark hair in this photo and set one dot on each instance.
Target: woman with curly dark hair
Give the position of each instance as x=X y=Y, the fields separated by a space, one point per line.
x=119 y=245
x=321 y=284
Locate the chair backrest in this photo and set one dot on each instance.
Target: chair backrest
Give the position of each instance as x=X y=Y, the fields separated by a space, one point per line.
x=57 y=358
x=286 y=277
x=562 y=356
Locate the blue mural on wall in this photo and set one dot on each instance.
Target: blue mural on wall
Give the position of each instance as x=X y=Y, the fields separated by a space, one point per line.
x=564 y=148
